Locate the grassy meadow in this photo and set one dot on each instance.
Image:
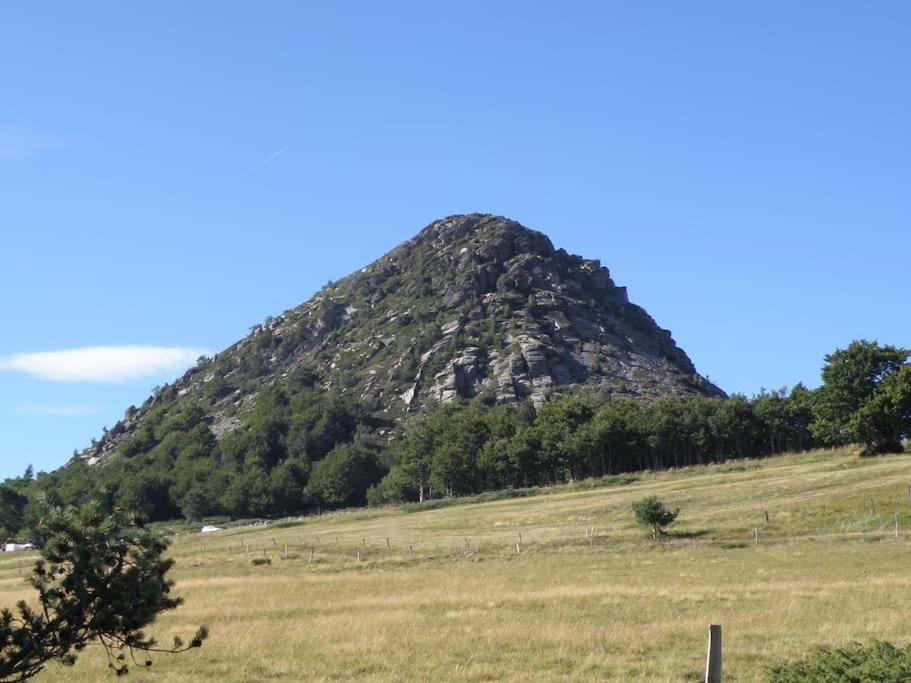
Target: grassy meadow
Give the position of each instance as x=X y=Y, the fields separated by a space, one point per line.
x=449 y=598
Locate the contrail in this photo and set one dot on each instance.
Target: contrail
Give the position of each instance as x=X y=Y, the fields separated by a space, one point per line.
x=269 y=159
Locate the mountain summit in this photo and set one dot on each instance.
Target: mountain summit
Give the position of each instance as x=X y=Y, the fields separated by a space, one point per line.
x=473 y=306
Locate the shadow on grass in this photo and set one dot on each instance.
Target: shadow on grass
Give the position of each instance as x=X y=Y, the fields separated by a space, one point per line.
x=699 y=533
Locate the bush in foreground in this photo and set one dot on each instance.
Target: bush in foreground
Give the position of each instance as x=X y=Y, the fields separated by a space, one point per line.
x=879 y=662
x=102 y=579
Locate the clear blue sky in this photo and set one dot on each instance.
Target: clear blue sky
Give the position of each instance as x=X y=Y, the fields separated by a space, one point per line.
x=171 y=173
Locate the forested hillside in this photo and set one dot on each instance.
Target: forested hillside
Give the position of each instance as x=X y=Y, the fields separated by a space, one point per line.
x=474 y=357
x=303 y=449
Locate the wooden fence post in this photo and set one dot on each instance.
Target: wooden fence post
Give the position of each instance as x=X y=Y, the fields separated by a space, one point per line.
x=713 y=657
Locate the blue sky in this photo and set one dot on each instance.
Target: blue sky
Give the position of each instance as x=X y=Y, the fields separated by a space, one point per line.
x=172 y=173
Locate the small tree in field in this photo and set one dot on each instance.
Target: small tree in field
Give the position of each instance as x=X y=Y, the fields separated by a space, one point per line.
x=102 y=579
x=652 y=513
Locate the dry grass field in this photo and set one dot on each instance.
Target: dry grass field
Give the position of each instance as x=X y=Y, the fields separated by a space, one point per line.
x=449 y=598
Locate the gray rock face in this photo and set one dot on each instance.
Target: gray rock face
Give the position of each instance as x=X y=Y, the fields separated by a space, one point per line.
x=533 y=351
x=459 y=378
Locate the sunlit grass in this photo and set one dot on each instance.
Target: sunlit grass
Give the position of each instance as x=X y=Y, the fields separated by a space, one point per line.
x=449 y=598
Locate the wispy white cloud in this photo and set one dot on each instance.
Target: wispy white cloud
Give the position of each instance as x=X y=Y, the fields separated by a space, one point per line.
x=24 y=142
x=111 y=364
x=269 y=159
x=56 y=410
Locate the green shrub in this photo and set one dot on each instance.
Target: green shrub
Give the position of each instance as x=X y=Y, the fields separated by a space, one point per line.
x=878 y=662
x=652 y=513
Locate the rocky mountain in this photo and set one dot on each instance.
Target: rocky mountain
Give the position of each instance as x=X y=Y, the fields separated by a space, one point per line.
x=473 y=306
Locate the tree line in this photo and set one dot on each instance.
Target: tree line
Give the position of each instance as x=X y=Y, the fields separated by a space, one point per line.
x=468 y=448
x=459 y=449
x=296 y=451
x=302 y=449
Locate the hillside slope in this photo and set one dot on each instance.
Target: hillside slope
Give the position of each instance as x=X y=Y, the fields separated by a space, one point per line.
x=420 y=593
x=474 y=305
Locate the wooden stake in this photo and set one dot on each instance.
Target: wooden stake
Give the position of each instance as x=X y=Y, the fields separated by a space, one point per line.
x=713 y=657
x=518 y=549
x=411 y=550
x=358 y=554
x=311 y=556
x=388 y=547
x=756 y=536
x=766 y=516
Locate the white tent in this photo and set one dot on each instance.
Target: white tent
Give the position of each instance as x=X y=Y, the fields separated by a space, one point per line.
x=208 y=529
x=12 y=547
